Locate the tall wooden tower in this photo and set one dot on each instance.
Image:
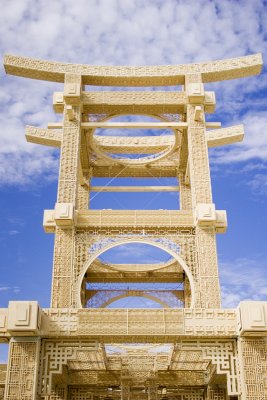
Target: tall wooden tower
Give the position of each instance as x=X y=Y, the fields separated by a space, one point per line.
x=188 y=349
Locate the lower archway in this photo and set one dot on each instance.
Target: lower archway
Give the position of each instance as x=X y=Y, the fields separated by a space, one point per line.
x=167 y=246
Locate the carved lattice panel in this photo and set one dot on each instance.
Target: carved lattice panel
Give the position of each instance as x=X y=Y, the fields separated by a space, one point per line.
x=216 y=394
x=22 y=370
x=59 y=393
x=194 y=395
x=56 y=355
x=80 y=393
x=62 y=293
x=223 y=354
x=253 y=353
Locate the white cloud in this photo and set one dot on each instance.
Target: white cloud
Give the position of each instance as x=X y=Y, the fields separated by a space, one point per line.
x=13 y=232
x=14 y=289
x=21 y=168
x=258 y=184
x=254 y=145
x=243 y=279
x=139 y=253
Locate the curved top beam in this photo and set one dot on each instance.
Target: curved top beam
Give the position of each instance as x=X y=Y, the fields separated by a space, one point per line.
x=211 y=71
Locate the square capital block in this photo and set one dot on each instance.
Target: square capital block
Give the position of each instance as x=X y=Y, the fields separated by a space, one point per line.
x=58 y=102
x=209 y=102
x=221 y=221
x=23 y=318
x=253 y=318
x=195 y=93
x=49 y=221
x=72 y=93
x=64 y=214
x=205 y=214
x=3 y=319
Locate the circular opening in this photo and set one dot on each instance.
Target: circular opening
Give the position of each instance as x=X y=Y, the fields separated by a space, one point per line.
x=134 y=146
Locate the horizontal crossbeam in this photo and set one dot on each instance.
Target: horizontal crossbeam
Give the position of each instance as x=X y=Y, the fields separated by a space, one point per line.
x=138 y=102
x=134 y=277
x=134 y=125
x=124 y=218
x=123 y=325
x=129 y=102
x=136 y=144
x=211 y=71
x=143 y=125
x=134 y=188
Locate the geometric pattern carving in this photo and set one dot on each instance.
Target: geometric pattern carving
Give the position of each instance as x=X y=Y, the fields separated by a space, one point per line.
x=222 y=354
x=253 y=355
x=216 y=394
x=3 y=368
x=80 y=393
x=59 y=393
x=22 y=370
x=134 y=76
x=121 y=324
x=54 y=356
x=194 y=395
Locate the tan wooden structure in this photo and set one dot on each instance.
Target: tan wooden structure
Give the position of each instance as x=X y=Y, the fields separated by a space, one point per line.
x=191 y=348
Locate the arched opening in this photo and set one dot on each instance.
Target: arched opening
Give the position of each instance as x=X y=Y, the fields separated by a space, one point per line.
x=137 y=271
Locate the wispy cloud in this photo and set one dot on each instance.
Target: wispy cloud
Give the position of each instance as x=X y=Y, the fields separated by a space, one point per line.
x=14 y=220
x=135 y=253
x=254 y=145
x=6 y=288
x=258 y=184
x=243 y=279
x=13 y=232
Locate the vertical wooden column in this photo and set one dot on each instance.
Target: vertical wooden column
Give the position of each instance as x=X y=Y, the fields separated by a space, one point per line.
x=207 y=288
x=187 y=293
x=185 y=193
x=253 y=367
x=84 y=175
x=83 y=192
x=22 y=369
x=185 y=187
x=152 y=389
x=125 y=385
x=68 y=192
x=197 y=148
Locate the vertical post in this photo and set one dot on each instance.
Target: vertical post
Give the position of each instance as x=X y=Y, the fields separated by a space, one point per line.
x=253 y=367
x=185 y=193
x=152 y=389
x=68 y=193
x=197 y=143
x=184 y=185
x=187 y=292
x=83 y=191
x=125 y=385
x=22 y=369
x=198 y=163
x=125 y=391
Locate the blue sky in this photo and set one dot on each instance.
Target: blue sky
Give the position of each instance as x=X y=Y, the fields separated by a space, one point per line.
x=131 y=32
